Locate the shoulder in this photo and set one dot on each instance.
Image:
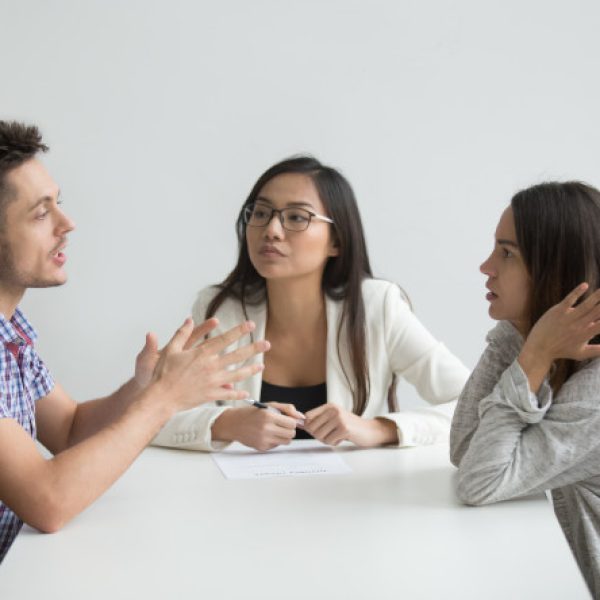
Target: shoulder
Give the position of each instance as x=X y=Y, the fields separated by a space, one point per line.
x=206 y=294
x=505 y=335
x=381 y=289
x=231 y=308
x=202 y=301
x=387 y=312
x=381 y=296
x=577 y=399
x=586 y=380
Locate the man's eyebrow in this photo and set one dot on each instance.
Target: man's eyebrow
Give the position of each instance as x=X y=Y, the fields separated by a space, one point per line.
x=42 y=200
x=510 y=243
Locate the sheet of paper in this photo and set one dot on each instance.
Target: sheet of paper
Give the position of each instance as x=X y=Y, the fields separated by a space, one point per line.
x=300 y=458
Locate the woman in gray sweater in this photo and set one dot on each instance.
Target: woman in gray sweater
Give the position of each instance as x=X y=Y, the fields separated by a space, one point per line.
x=528 y=419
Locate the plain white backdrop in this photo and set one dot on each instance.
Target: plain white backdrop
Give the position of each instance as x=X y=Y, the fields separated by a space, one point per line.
x=162 y=114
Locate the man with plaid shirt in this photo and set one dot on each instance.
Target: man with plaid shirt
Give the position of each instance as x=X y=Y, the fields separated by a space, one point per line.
x=94 y=442
x=25 y=380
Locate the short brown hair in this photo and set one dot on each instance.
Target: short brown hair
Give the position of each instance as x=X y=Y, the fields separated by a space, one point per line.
x=18 y=143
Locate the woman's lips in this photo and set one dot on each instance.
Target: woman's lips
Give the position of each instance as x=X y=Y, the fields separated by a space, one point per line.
x=490 y=296
x=270 y=251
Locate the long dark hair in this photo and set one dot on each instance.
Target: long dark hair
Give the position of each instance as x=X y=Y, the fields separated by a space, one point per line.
x=558 y=232
x=343 y=274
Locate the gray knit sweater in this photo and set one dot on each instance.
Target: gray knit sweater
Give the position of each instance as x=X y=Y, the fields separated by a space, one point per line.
x=508 y=442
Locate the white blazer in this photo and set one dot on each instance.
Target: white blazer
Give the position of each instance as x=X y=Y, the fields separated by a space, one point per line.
x=397 y=343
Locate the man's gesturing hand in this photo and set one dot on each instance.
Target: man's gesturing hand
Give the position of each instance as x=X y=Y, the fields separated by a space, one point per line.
x=190 y=374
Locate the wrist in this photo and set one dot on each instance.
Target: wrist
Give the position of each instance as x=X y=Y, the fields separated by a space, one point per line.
x=533 y=361
x=130 y=390
x=387 y=431
x=374 y=432
x=535 y=357
x=535 y=366
x=156 y=398
x=224 y=427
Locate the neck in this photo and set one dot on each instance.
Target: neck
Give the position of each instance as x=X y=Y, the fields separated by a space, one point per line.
x=522 y=327
x=9 y=300
x=295 y=304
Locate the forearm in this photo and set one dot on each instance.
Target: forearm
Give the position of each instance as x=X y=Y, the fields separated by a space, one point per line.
x=224 y=429
x=73 y=479
x=384 y=431
x=526 y=443
x=94 y=415
x=423 y=426
x=192 y=430
x=504 y=346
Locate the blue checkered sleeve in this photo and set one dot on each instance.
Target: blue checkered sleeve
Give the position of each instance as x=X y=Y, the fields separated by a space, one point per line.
x=41 y=379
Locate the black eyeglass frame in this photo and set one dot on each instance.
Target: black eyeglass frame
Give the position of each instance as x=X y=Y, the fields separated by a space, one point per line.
x=249 y=210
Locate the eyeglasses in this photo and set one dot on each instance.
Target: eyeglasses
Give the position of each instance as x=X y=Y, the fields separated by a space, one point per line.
x=292 y=219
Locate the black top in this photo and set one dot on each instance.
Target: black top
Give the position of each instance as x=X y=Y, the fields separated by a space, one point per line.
x=303 y=398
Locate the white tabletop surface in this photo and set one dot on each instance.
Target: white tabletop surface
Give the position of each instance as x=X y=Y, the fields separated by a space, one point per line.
x=174 y=527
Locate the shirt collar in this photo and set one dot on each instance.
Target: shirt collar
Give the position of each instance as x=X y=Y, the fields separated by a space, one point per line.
x=10 y=330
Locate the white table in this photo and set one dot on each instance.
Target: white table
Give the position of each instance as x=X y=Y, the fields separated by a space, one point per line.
x=174 y=527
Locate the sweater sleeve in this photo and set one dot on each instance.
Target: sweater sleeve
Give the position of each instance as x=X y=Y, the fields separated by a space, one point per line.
x=429 y=366
x=526 y=443
x=504 y=343
x=192 y=429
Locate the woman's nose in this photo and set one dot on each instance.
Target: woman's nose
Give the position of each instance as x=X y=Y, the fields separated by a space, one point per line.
x=274 y=228
x=486 y=267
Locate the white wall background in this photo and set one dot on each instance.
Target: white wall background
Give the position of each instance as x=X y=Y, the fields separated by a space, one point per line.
x=161 y=114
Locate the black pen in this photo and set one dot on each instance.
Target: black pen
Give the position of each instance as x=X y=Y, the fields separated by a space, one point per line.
x=256 y=404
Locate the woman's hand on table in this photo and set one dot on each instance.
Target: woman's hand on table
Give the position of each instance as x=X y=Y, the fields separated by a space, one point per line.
x=258 y=428
x=332 y=425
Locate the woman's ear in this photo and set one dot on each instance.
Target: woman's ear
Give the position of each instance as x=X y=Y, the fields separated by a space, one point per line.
x=334 y=247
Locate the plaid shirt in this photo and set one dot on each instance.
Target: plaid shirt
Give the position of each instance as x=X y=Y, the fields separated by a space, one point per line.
x=23 y=379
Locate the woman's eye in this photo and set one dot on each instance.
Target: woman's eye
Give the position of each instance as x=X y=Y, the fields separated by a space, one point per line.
x=506 y=253
x=297 y=217
x=41 y=216
x=259 y=213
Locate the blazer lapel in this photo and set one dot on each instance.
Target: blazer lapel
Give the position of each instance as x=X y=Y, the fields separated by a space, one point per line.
x=258 y=314
x=337 y=386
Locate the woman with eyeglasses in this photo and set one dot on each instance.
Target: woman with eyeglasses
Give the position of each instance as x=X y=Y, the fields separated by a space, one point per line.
x=339 y=338
x=528 y=420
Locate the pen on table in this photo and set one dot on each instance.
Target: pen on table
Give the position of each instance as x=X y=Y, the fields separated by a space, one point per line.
x=256 y=404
